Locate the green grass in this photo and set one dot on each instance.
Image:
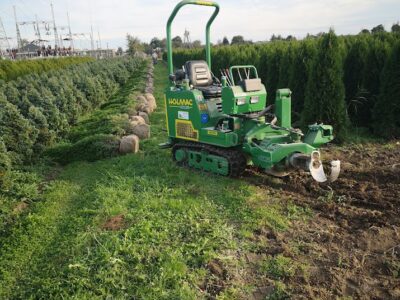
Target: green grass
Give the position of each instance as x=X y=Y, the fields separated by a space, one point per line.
x=279 y=267
x=175 y=221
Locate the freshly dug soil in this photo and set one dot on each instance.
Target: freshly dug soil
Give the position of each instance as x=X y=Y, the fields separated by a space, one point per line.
x=351 y=244
x=115 y=223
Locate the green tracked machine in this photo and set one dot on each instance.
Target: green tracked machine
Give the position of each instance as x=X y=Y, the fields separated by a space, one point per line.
x=223 y=125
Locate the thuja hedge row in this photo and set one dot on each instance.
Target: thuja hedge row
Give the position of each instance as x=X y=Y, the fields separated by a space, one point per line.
x=10 y=70
x=342 y=80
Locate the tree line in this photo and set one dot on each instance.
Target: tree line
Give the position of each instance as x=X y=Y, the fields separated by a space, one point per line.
x=10 y=70
x=38 y=110
x=347 y=81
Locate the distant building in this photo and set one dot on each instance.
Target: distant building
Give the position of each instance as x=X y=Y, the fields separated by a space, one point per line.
x=29 y=48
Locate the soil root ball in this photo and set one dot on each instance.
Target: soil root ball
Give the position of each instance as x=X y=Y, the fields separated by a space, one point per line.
x=141 y=99
x=151 y=100
x=143 y=107
x=142 y=131
x=145 y=117
x=137 y=120
x=129 y=144
x=131 y=111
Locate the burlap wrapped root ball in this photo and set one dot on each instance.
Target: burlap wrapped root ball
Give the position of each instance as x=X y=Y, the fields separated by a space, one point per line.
x=151 y=101
x=143 y=105
x=149 y=90
x=133 y=122
x=137 y=120
x=142 y=131
x=129 y=144
x=149 y=87
x=145 y=117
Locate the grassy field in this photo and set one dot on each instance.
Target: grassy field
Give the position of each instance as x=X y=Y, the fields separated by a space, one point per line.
x=139 y=227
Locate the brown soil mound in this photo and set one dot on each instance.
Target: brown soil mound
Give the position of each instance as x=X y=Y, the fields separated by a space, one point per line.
x=115 y=223
x=351 y=245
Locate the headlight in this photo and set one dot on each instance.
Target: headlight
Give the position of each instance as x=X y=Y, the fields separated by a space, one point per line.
x=240 y=101
x=254 y=100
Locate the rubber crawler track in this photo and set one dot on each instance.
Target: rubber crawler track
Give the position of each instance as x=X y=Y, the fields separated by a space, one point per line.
x=236 y=159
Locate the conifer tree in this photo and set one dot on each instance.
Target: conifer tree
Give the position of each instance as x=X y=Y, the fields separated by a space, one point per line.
x=17 y=133
x=387 y=109
x=354 y=69
x=284 y=66
x=45 y=135
x=273 y=66
x=325 y=92
x=375 y=60
x=5 y=161
x=304 y=53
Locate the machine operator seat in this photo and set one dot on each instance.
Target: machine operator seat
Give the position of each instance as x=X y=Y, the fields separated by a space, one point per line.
x=201 y=78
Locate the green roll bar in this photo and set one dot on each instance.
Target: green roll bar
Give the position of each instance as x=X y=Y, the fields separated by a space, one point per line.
x=171 y=19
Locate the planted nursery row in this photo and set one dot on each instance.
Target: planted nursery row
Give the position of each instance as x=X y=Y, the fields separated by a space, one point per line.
x=38 y=109
x=338 y=80
x=10 y=70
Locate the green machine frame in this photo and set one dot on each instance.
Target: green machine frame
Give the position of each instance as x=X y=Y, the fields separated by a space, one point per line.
x=208 y=27
x=208 y=133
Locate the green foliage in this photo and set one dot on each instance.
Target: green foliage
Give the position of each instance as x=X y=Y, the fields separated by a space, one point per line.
x=172 y=224
x=387 y=108
x=134 y=45
x=225 y=41
x=40 y=111
x=5 y=161
x=18 y=189
x=17 y=133
x=37 y=110
x=10 y=70
x=396 y=27
x=278 y=267
x=177 y=42
x=325 y=92
x=290 y=63
x=237 y=39
x=378 y=29
x=91 y=148
x=298 y=75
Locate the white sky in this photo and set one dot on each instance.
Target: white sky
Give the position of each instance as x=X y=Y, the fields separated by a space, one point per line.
x=254 y=19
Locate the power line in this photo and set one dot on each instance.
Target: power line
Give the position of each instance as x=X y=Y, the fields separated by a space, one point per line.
x=19 y=39
x=42 y=28
x=54 y=26
x=3 y=37
x=70 y=33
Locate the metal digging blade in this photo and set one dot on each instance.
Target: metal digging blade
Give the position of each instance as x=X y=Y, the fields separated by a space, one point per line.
x=317 y=170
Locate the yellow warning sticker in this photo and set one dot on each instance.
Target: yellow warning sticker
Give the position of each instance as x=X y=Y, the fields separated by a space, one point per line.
x=212 y=132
